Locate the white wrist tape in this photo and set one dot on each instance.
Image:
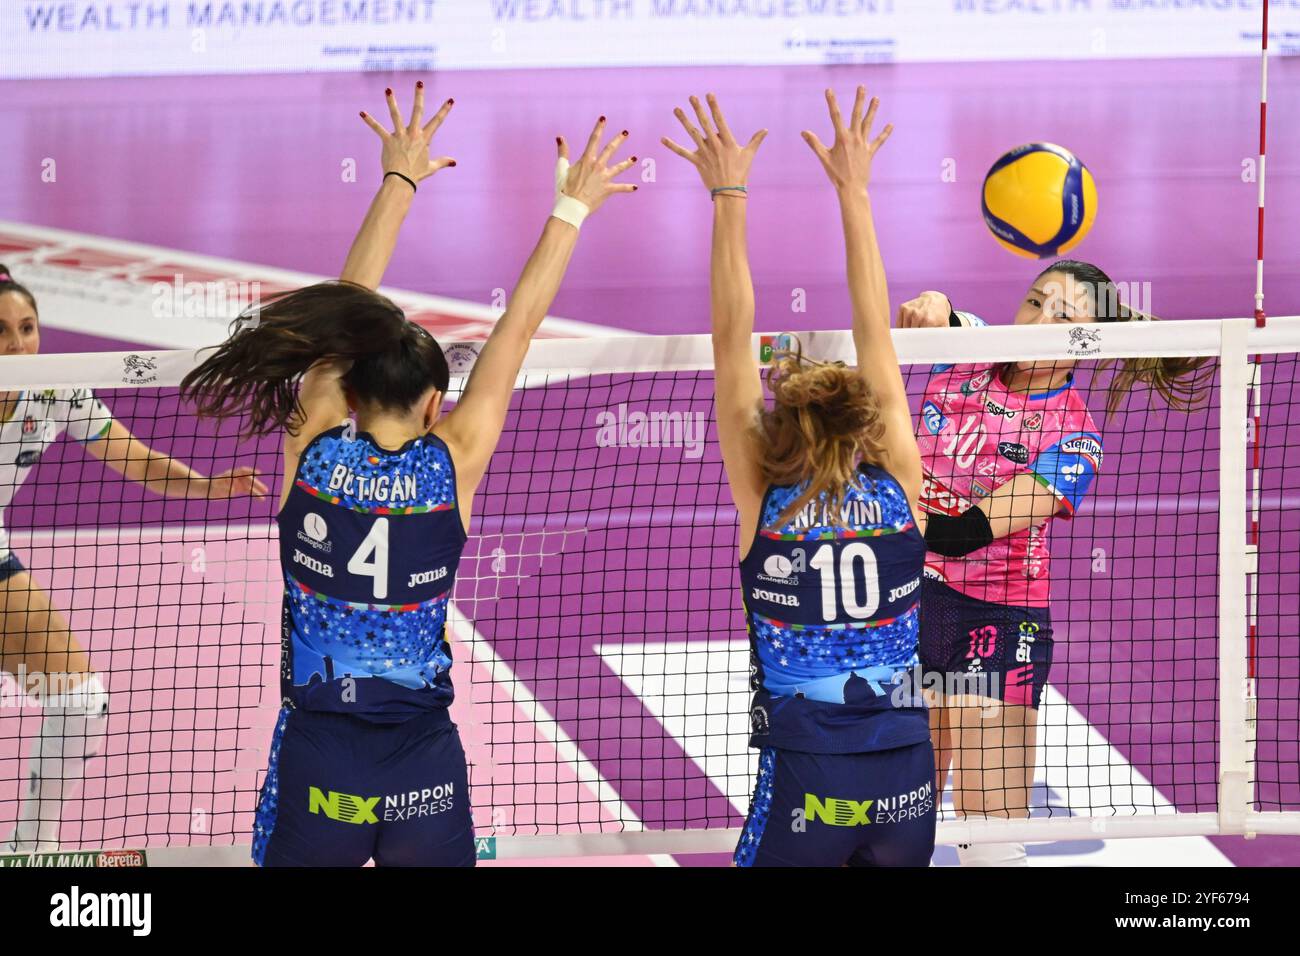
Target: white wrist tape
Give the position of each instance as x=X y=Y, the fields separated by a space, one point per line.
x=567 y=209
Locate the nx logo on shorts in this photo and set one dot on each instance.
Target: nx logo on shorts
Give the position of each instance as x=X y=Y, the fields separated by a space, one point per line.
x=348 y=808
x=343 y=807
x=837 y=813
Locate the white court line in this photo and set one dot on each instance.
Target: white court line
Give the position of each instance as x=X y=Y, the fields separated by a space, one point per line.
x=567 y=750
x=699 y=691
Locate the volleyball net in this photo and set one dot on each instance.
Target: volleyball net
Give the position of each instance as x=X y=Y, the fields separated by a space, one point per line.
x=602 y=663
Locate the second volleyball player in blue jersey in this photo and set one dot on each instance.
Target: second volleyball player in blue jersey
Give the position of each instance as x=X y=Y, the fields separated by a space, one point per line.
x=826 y=484
x=365 y=761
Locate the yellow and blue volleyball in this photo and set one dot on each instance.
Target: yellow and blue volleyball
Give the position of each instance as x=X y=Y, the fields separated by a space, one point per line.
x=1039 y=200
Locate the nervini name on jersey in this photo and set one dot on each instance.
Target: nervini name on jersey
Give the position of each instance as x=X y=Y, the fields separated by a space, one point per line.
x=854 y=514
x=397 y=486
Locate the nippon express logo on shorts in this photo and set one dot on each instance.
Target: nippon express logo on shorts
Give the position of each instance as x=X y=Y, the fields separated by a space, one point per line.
x=393 y=808
x=842 y=812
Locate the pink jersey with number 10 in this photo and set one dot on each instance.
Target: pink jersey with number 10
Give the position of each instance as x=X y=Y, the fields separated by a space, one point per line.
x=974 y=437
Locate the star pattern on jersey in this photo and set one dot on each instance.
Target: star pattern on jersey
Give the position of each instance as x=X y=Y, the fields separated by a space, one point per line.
x=895 y=512
x=425 y=458
x=405 y=647
x=807 y=655
x=760 y=808
x=268 y=804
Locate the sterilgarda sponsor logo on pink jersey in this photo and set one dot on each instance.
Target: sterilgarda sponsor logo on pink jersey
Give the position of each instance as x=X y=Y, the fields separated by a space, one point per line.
x=974 y=436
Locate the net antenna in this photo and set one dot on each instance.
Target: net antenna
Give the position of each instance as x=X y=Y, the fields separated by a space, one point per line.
x=1254 y=369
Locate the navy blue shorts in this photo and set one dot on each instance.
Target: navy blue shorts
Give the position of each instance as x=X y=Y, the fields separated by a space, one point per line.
x=341 y=790
x=868 y=809
x=997 y=651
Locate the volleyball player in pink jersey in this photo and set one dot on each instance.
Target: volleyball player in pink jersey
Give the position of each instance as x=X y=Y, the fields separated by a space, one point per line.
x=1006 y=449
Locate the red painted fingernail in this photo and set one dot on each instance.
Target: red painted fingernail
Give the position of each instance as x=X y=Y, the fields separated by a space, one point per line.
x=624 y=132
x=452 y=163
x=557 y=141
x=388 y=92
x=602 y=119
x=634 y=189
x=450 y=101
x=419 y=84
x=634 y=159
x=363 y=114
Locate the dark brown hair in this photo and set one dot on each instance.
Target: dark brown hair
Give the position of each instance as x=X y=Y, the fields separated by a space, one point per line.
x=394 y=362
x=9 y=284
x=1181 y=382
x=823 y=421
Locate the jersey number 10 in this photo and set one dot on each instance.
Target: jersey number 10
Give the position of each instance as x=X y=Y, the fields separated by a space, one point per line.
x=824 y=563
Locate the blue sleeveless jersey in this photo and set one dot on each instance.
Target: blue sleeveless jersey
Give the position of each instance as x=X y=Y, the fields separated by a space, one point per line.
x=832 y=614
x=369 y=544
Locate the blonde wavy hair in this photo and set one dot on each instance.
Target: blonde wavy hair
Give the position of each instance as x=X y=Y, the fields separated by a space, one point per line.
x=824 y=420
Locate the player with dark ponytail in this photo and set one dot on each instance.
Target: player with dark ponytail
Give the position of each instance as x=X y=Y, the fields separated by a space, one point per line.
x=365 y=761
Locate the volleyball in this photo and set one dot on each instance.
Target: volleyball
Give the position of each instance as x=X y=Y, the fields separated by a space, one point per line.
x=1039 y=200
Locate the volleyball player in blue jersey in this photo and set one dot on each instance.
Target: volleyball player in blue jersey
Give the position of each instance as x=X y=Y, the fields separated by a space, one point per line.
x=826 y=483
x=365 y=761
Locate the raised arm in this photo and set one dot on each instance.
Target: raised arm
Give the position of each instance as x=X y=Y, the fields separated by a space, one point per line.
x=406 y=162
x=474 y=426
x=848 y=165
x=405 y=154
x=934 y=310
x=723 y=165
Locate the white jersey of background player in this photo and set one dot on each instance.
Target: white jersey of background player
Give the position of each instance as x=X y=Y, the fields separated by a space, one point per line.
x=36 y=643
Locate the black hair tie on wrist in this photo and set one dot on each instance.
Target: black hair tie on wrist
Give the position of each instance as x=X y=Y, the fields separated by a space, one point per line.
x=409 y=181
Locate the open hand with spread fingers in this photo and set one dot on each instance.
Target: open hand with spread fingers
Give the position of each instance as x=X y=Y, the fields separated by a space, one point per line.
x=590 y=178
x=723 y=164
x=848 y=160
x=406 y=146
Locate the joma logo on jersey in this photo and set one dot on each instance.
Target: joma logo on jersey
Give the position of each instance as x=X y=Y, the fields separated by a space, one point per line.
x=835 y=812
x=343 y=807
x=789 y=600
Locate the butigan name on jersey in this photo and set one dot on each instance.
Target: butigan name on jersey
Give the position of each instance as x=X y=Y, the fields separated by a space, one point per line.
x=395 y=487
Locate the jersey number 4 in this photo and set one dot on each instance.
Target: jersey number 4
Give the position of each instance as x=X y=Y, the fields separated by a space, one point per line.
x=371 y=559
x=847 y=588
